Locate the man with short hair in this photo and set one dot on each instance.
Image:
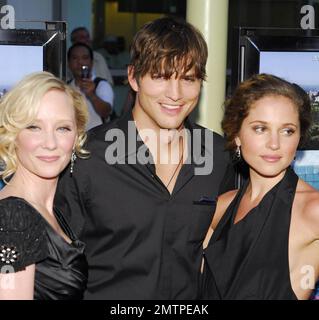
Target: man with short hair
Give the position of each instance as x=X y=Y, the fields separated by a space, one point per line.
x=101 y=69
x=98 y=92
x=144 y=200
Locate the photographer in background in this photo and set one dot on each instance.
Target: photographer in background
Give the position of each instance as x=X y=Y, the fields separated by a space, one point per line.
x=98 y=92
x=101 y=69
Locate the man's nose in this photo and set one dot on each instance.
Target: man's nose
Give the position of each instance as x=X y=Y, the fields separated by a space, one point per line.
x=174 y=91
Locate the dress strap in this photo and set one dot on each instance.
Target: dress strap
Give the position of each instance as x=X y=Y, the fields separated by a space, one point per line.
x=228 y=216
x=63 y=223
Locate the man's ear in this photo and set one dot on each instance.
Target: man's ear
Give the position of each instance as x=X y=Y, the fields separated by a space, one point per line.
x=131 y=78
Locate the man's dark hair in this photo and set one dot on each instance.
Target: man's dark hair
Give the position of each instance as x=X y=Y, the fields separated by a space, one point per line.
x=77 y=45
x=168 y=46
x=75 y=30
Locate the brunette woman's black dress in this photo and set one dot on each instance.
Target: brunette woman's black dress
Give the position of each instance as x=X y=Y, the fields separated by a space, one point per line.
x=249 y=259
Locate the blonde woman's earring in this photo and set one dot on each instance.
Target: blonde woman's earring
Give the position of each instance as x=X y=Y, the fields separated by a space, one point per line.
x=73 y=157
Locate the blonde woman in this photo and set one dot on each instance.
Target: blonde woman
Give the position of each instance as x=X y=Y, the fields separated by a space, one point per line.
x=42 y=127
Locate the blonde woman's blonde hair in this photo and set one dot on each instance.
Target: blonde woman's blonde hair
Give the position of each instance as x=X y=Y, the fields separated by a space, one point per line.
x=19 y=107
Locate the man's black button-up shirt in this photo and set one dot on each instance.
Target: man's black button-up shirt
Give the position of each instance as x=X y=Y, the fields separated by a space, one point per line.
x=141 y=241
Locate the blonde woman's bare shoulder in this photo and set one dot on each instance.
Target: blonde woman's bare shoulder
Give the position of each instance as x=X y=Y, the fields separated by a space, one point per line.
x=223 y=202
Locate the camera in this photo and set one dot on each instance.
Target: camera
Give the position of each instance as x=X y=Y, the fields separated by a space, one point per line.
x=85 y=72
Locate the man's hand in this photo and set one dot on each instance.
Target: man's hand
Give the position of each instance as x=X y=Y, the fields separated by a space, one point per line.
x=87 y=86
x=101 y=107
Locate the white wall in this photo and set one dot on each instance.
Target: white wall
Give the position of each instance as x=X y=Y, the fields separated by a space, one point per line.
x=40 y=10
x=77 y=13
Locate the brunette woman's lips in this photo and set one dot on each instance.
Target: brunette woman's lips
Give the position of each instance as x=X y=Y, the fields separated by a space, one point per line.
x=270 y=158
x=48 y=158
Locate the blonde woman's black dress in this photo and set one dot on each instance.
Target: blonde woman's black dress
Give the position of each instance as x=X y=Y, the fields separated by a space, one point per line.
x=26 y=238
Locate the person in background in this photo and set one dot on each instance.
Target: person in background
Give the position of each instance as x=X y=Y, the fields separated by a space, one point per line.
x=98 y=92
x=144 y=200
x=265 y=236
x=100 y=69
x=42 y=128
x=114 y=52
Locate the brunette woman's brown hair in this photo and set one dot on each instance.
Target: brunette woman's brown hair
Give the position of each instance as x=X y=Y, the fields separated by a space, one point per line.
x=255 y=88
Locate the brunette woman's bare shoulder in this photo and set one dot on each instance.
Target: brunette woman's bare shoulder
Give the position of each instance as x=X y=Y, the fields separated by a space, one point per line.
x=223 y=202
x=307 y=203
